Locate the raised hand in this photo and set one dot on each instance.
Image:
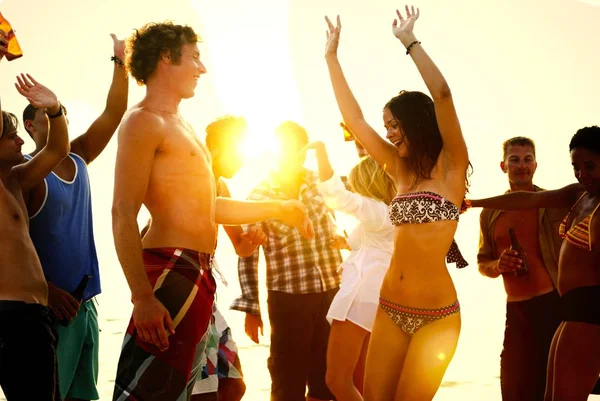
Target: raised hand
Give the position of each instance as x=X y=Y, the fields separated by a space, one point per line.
x=294 y=213
x=37 y=94
x=317 y=146
x=403 y=27
x=333 y=36
x=119 y=47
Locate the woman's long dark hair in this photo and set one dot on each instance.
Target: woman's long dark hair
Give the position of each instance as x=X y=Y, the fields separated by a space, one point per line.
x=415 y=113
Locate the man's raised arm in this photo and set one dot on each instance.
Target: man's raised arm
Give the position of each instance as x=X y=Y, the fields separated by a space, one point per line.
x=92 y=143
x=34 y=171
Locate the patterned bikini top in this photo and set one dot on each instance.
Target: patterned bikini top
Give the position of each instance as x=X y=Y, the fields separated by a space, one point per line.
x=427 y=207
x=579 y=234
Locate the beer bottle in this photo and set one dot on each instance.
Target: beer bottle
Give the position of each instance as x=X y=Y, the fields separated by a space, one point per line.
x=348 y=136
x=515 y=246
x=77 y=294
x=14 y=50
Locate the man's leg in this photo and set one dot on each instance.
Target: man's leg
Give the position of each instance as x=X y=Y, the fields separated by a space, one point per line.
x=207 y=383
x=291 y=323
x=187 y=292
x=545 y=319
x=85 y=376
x=229 y=367
x=73 y=342
x=26 y=335
x=517 y=357
x=317 y=387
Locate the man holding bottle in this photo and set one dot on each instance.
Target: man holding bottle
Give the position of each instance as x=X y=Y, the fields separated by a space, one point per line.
x=61 y=228
x=528 y=264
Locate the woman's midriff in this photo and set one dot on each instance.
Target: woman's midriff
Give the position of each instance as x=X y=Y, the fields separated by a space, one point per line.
x=577 y=268
x=418 y=276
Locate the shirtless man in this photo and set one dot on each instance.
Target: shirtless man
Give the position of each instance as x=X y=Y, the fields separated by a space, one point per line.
x=26 y=333
x=162 y=164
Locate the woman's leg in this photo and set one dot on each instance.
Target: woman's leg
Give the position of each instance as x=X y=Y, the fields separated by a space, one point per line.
x=429 y=353
x=576 y=361
x=551 y=355
x=343 y=354
x=385 y=357
x=359 y=371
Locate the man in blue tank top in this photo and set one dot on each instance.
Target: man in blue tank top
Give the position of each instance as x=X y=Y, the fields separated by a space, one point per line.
x=61 y=228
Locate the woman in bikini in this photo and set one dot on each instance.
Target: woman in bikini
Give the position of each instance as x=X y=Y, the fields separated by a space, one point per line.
x=353 y=308
x=417 y=323
x=574 y=360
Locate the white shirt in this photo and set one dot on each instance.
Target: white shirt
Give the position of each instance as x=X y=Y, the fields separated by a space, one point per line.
x=372 y=244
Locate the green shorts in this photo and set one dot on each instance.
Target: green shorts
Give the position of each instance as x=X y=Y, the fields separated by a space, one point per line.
x=77 y=354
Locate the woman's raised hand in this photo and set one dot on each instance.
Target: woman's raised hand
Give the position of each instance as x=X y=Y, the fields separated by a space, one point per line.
x=333 y=36
x=403 y=27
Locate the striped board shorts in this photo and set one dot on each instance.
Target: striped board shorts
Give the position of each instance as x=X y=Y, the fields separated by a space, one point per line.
x=220 y=359
x=183 y=282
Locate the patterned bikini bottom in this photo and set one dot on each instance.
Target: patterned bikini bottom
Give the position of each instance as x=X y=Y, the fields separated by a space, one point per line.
x=410 y=320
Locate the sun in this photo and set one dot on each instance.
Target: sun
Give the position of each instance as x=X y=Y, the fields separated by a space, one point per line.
x=259 y=142
x=256 y=82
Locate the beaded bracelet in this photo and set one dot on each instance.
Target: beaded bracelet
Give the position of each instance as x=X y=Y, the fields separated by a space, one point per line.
x=416 y=42
x=117 y=60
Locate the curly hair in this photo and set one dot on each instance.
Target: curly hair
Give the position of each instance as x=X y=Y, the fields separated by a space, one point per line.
x=586 y=138
x=148 y=44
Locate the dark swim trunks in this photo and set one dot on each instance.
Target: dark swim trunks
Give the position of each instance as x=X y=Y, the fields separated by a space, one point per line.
x=27 y=346
x=183 y=282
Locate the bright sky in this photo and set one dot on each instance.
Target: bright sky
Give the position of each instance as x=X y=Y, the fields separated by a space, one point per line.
x=516 y=67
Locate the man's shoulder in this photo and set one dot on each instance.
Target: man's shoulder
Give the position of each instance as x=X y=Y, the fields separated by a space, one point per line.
x=143 y=120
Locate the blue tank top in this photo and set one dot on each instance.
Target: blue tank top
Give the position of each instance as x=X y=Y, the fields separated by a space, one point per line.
x=63 y=234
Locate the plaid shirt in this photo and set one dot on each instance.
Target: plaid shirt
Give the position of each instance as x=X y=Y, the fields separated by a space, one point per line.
x=295 y=265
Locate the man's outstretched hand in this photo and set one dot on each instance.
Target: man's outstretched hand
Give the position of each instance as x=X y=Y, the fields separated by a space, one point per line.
x=294 y=213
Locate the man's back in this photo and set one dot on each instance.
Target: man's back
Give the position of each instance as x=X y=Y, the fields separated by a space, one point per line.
x=180 y=191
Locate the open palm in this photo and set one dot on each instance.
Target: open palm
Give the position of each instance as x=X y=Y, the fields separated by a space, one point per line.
x=403 y=27
x=333 y=36
x=37 y=94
